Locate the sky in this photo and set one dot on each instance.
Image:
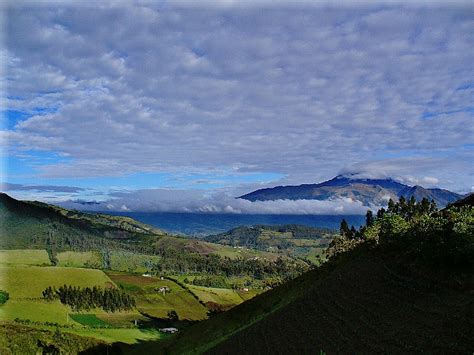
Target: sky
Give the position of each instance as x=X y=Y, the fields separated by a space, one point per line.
x=177 y=106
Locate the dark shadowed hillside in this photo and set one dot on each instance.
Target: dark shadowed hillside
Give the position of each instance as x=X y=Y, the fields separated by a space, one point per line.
x=366 y=305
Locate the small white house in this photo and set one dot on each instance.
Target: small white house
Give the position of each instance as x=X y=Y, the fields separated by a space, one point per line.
x=164 y=289
x=170 y=330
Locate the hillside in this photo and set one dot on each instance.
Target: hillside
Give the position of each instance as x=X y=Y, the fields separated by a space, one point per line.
x=404 y=287
x=368 y=191
x=28 y=224
x=36 y=225
x=295 y=240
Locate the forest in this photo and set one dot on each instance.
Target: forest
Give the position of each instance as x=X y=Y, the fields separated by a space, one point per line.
x=109 y=299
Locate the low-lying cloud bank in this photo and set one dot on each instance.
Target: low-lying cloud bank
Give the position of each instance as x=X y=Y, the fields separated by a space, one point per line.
x=197 y=201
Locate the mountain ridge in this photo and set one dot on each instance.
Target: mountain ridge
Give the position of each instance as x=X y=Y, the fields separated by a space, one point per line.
x=368 y=191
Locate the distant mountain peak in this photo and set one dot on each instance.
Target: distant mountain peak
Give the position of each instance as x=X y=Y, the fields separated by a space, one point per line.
x=369 y=191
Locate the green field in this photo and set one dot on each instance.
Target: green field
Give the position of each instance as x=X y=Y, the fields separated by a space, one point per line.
x=24 y=257
x=78 y=259
x=90 y=320
x=156 y=304
x=25 y=284
x=30 y=281
x=123 y=335
x=223 y=296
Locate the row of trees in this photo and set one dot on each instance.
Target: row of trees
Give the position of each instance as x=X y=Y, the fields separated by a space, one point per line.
x=109 y=299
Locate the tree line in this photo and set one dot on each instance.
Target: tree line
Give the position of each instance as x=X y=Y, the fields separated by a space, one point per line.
x=416 y=229
x=109 y=299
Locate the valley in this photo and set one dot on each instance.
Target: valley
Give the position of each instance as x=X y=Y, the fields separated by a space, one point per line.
x=171 y=279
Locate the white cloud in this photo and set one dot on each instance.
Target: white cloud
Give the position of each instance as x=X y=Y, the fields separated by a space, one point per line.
x=299 y=91
x=199 y=201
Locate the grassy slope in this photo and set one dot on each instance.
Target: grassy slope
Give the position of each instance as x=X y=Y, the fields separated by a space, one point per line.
x=27 y=225
x=360 y=303
x=153 y=303
x=26 y=283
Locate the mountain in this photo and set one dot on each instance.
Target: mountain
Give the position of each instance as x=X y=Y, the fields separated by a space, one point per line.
x=466 y=201
x=368 y=191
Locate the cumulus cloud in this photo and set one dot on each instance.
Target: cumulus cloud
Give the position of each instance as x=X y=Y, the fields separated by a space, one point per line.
x=199 y=201
x=297 y=91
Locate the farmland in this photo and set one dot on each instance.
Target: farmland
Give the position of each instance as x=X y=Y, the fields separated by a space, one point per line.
x=157 y=304
x=25 y=284
x=68 y=275
x=27 y=273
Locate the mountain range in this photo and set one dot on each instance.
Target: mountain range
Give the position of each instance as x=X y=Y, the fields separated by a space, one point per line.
x=368 y=191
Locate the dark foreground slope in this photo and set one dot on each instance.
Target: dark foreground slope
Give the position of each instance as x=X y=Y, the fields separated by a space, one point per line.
x=361 y=302
x=367 y=305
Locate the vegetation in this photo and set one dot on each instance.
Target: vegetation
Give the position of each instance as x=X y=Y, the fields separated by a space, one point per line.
x=109 y=299
x=293 y=240
x=208 y=281
x=90 y=320
x=20 y=339
x=418 y=230
x=150 y=301
x=173 y=262
x=4 y=296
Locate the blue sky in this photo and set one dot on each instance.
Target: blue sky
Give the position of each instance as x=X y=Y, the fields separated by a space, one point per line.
x=224 y=99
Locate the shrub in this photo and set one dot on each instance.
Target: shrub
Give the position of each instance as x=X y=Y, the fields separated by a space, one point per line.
x=4 y=296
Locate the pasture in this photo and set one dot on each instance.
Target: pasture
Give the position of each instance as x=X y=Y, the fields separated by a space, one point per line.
x=152 y=302
x=25 y=284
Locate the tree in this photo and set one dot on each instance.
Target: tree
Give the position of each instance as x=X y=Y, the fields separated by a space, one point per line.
x=352 y=233
x=369 y=218
x=391 y=206
x=402 y=206
x=344 y=229
x=381 y=213
x=172 y=315
x=51 y=249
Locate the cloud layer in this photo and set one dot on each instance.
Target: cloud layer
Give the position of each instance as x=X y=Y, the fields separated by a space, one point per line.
x=195 y=201
x=124 y=89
